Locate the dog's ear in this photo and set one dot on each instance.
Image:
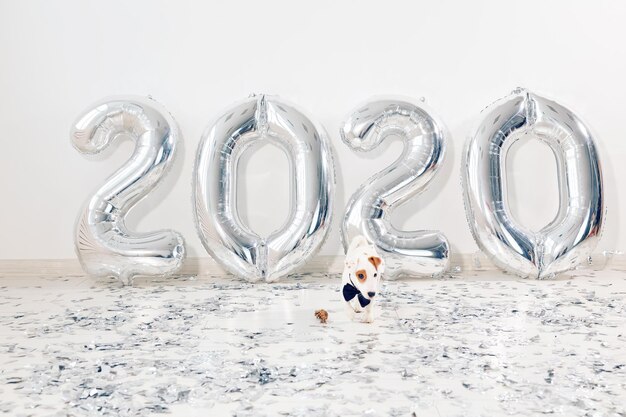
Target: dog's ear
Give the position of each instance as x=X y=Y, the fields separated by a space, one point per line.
x=375 y=260
x=352 y=258
x=350 y=262
x=357 y=242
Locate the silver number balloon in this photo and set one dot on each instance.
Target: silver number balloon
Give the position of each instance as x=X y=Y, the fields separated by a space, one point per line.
x=568 y=239
x=104 y=245
x=225 y=237
x=412 y=253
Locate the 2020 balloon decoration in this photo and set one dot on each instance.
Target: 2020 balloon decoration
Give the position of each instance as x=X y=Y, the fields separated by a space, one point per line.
x=568 y=239
x=105 y=247
x=417 y=253
x=225 y=237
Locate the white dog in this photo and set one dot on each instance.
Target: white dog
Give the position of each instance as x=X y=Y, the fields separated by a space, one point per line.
x=361 y=278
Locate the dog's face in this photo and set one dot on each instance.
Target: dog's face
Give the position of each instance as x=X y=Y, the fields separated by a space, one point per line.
x=366 y=269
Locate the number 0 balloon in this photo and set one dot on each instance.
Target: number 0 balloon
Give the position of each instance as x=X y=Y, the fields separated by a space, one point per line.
x=414 y=253
x=225 y=237
x=104 y=245
x=568 y=239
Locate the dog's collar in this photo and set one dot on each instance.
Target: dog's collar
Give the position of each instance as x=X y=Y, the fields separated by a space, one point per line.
x=350 y=291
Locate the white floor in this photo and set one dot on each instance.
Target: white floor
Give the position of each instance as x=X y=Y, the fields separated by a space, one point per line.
x=481 y=345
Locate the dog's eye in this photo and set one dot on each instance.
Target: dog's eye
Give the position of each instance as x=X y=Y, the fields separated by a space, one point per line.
x=375 y=274
x=361 y=276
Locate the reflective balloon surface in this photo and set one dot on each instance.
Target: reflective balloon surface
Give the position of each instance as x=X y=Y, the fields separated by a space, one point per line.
x=571 y=236
x=229 y=241
x=104 y=245
x=412 y=253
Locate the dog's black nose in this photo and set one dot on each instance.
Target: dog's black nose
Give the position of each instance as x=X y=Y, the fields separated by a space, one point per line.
x=371 y=293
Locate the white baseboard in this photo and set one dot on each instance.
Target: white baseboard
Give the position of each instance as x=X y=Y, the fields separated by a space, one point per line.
x=459 y=263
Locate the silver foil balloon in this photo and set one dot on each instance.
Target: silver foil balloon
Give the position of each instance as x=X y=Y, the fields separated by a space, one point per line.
x=105 y=247
x=410 y=253
x=229 y=241
x=571 y=236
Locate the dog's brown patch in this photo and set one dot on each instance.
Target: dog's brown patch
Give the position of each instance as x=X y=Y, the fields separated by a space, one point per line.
x=361 y=275
x=375 y=260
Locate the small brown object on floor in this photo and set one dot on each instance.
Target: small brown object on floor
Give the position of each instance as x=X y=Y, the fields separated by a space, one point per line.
x=322 y=315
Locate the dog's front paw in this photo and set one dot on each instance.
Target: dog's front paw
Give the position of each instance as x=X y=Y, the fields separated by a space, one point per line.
x=368 y=317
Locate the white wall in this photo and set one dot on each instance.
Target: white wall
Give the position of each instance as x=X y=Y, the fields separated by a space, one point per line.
x=196 y=58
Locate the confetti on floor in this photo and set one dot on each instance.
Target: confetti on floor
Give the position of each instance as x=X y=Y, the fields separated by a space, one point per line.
x=480 y=345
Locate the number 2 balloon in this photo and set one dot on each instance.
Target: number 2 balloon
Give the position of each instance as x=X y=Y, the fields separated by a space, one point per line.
x=413 y=253
x=105 y=247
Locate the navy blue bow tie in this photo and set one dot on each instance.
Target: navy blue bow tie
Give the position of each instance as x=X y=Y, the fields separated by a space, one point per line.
x=350 y=291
